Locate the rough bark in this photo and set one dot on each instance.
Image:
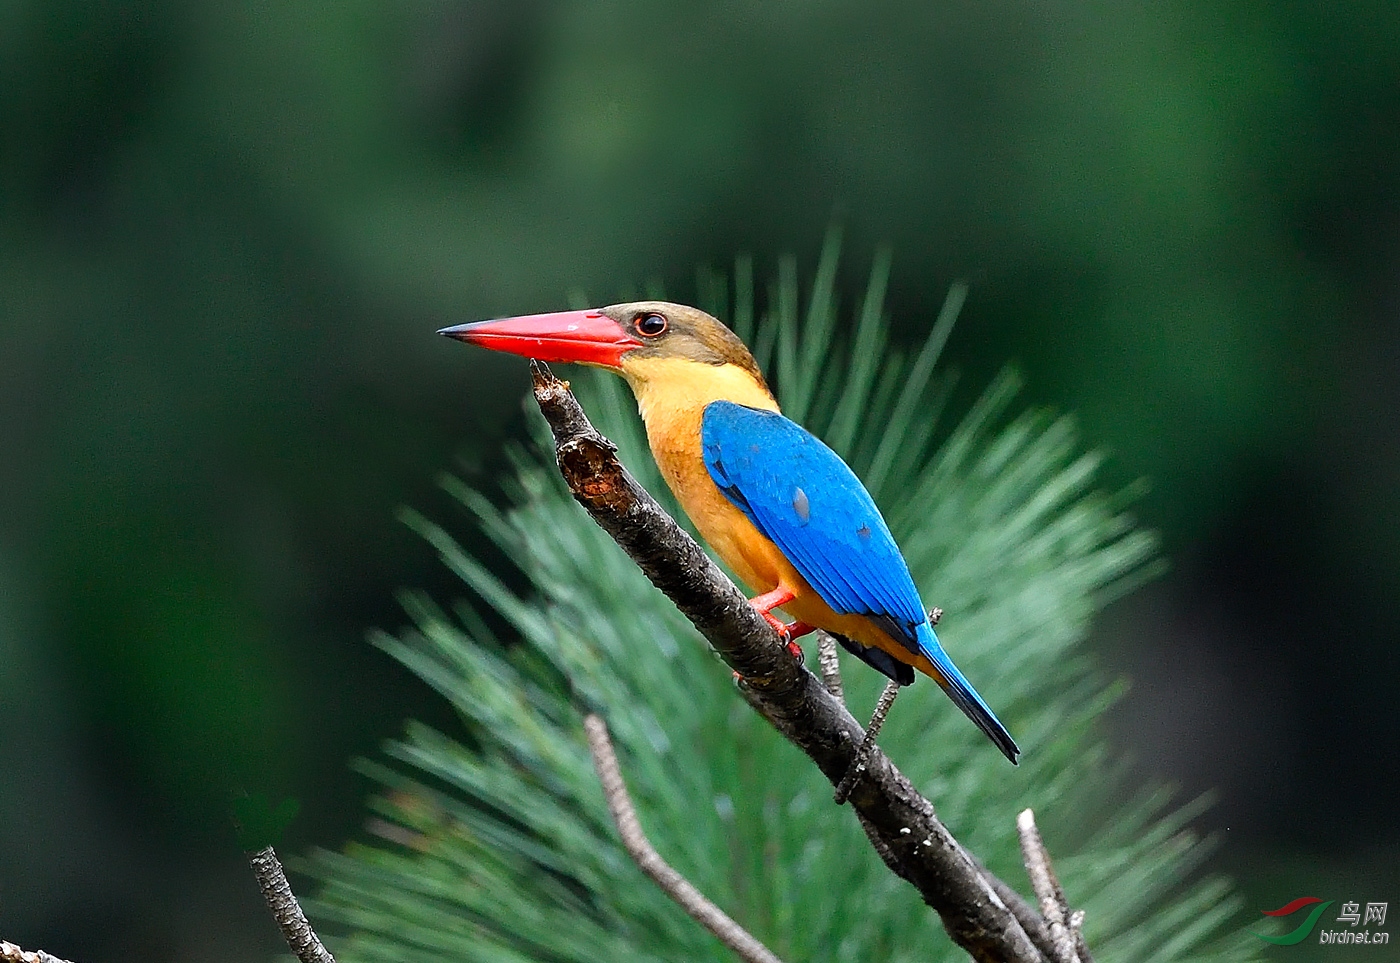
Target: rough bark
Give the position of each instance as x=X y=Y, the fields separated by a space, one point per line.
x=286 y=911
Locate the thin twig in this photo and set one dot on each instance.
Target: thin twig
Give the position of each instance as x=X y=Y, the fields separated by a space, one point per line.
x=792 y=699
x=282 y=902
x=867 y=742
x=829 y=660
x=9 y=953
x=1076 y=927
x=672 y=883
x=830 y=664
x=1053 y=904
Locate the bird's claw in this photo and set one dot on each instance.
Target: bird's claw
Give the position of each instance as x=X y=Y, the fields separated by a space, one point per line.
x=778 y=625
x=785 y=633
x=934 y=615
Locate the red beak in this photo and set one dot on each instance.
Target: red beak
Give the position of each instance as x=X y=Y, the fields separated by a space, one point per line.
x=585 y=337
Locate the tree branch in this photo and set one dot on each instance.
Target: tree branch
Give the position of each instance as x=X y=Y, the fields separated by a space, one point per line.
x=796 y=703
x=1064 y=926
x=1030 y=918
x=282 y=902
x=672 y=883
x=9 y=953
x=829 y=661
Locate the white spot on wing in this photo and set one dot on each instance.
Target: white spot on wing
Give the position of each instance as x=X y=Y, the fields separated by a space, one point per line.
x=801 y=505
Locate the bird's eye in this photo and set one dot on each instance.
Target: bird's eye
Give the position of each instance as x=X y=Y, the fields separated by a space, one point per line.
x=651 y=325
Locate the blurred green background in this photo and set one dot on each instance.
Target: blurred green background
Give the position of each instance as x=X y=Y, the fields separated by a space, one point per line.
x=228 y=231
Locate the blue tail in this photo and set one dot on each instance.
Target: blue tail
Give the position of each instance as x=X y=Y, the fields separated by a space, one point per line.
x=964 y=696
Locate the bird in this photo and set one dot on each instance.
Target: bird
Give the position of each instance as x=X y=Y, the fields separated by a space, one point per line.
x=774 y=502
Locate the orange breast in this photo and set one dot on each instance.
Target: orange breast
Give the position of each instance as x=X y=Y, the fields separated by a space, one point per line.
x=675 y=443
x=672 y=399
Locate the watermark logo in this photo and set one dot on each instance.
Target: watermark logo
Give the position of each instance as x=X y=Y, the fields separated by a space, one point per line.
x=1305 y=928
x=1351 y=915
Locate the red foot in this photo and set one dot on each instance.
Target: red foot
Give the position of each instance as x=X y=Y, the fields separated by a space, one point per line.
x=764 y=604
x=778 y=624
x=787 y=631
x=769 y=601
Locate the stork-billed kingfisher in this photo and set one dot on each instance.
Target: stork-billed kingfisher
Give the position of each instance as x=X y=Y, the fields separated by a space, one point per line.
x=776 y=504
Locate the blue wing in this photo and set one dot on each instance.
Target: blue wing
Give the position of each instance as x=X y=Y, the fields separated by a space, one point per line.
x=800 y=494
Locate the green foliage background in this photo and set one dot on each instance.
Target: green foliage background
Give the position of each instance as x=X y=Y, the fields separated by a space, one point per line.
x=502 y=850
x=228 y=230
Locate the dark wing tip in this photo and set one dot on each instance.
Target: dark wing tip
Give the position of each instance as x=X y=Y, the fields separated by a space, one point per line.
x=878 y=659
x=996 y=732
